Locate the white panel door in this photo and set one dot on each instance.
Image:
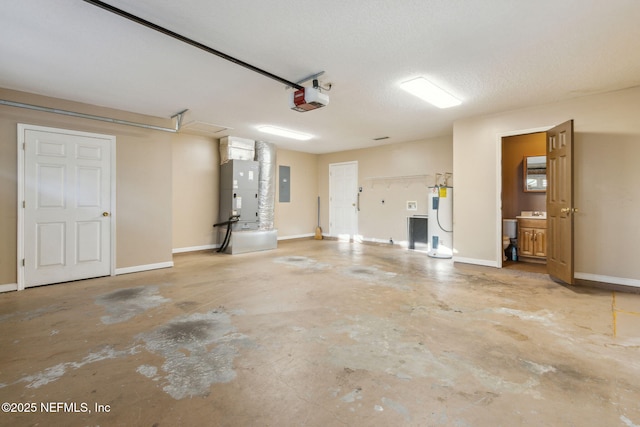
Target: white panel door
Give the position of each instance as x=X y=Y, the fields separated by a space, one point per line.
x=343 y=199
x=67 y=205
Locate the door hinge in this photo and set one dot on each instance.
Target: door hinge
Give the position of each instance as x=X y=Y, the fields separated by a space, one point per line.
x=24 y=146
x=24 y=204
x=23 y=262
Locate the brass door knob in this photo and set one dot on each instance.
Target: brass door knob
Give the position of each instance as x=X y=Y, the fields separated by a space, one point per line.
x=105 y=213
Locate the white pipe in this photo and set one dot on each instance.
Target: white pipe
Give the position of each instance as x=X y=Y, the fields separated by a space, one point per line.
x=178 y=116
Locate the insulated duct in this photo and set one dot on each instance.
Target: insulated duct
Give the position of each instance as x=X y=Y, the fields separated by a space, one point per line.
x=266 y=157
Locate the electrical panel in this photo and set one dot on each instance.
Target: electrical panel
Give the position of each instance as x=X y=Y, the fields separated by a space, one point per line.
x=284 y=184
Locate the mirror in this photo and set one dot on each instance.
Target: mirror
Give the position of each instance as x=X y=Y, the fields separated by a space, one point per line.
x=535 y=173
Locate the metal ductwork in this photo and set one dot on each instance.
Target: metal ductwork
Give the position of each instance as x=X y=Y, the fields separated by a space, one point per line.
x=266 y=157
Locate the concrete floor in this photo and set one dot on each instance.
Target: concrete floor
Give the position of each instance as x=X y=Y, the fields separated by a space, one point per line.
x=320 y=333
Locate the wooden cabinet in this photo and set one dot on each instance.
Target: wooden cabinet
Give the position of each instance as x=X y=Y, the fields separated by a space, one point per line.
x=532 y=239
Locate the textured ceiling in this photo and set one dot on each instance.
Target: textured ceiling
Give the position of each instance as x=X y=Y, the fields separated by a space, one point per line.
x=494 y=55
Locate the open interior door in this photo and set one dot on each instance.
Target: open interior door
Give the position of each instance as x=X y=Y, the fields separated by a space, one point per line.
x=560 y=207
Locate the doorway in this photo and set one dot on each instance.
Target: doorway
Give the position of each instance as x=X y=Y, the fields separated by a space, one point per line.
x=66 y=205
x=501 y=199
x=557 y=233
x=343 y=200
x=516 y=196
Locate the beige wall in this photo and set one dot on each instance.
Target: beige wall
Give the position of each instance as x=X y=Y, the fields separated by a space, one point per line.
x=196 y=178
x=299 y=217
x=606 y=177
x=378 y=221
x=143 y=179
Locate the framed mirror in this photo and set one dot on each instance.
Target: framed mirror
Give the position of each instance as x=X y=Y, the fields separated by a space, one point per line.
x=535 y=173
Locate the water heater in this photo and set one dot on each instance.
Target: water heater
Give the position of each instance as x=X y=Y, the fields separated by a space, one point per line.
x=440 y=230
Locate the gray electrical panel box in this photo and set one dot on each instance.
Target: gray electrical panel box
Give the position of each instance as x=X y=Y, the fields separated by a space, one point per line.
x=284 y=184
x=239 y=193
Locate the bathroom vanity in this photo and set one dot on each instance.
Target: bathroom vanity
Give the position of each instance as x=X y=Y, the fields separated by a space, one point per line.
x=532 y=238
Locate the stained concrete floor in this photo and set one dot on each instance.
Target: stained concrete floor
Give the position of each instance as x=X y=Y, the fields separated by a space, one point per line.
x=320 y=333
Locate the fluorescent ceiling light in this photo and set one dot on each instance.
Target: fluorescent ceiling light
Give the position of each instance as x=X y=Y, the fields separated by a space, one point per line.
x=284 y=132
x=424 y=89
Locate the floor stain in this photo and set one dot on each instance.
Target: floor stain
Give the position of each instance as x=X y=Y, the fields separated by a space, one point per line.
x=199 y=350
x=479 y=398
x=399 y=408
x=380 y=346
x=352 y=396
x=536 y=368
x=302 y=262
x=124 y=304
x=544 y=317
x=375 y=275
x=54 y=373
x=187 y=305
x=511 y=332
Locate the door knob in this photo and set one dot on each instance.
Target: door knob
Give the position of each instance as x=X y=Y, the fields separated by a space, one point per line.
x=565 y=210
x=105 y=213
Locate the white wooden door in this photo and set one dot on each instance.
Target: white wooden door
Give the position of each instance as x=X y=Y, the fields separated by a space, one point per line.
x=67 y=206
x=343 y=199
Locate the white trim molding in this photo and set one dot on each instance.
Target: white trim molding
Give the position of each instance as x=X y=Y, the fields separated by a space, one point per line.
x=475 y=261
x=194 y=248
x=297 y=236
x=607 y=279
x=140 y=268
x=9 y=287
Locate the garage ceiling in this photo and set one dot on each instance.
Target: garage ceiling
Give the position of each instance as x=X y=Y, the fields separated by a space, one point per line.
x=493 y=55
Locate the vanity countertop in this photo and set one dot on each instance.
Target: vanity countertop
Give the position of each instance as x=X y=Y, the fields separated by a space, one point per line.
x=532 y=221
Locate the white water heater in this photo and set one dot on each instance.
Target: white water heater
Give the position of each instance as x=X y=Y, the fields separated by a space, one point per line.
x=440 y=229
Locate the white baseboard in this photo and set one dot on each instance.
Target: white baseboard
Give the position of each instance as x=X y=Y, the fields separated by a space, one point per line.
x=475 y=261
x=296 y=236
x=194 y=248
x=375 y=240
x=9 y=287
x=578 y=275
x=139 y=268
x=607 y=279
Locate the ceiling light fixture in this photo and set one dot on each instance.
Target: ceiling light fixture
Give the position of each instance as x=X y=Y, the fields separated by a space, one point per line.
x=274 y=130
x=424 y=89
